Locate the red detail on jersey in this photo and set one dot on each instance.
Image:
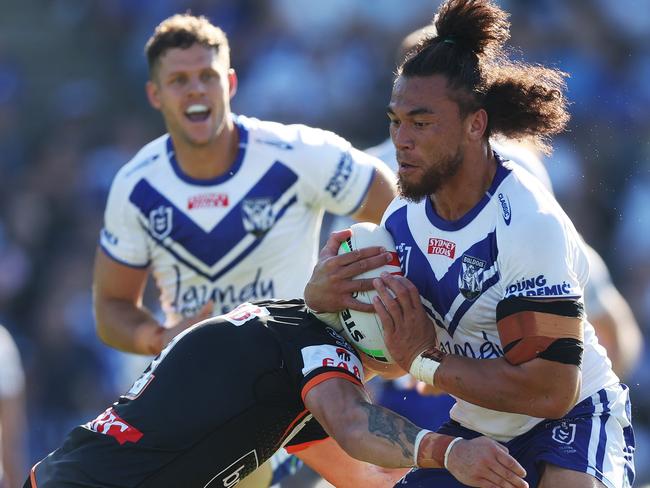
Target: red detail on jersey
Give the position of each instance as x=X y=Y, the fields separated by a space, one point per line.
x=243 y=313
x=207 y=200
x=109 y=423
x=394 y=261
x=441 y=247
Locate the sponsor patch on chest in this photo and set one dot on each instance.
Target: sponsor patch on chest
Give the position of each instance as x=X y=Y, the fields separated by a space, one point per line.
x=441 y=247
x=207 y=200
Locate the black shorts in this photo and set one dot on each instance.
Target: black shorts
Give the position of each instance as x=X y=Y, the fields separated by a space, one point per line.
x=218 y=402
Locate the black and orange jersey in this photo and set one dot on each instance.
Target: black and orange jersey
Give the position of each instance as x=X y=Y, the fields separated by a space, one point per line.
x=217 y=402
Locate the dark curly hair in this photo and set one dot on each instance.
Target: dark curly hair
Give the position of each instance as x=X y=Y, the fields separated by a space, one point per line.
x=522 y=100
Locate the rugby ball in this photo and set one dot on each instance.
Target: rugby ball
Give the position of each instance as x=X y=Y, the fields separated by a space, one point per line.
x=364 y=330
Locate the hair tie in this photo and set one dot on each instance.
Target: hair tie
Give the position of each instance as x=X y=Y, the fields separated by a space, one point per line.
x=449 y=40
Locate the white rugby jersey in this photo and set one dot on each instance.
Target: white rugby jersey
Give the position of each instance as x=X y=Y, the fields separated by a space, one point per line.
x=249 y=234
x=516 y=241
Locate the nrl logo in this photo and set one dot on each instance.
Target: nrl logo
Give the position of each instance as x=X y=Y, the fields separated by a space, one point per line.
x=470 y=280
x=160 y=222
x=564 y=433
x=258 y=216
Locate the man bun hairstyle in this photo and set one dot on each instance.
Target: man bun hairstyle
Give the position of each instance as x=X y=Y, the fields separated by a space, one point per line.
x=521 y=100
x=183 y=31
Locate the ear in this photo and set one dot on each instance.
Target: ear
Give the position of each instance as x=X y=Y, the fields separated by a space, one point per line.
x=477 y=124
x=153 y=94
x=232 y=82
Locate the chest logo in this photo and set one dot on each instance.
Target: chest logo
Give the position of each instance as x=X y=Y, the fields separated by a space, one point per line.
x=207 y=200
x=441 y=247
x=258 y=216
x=470 y=280
x=160 y=222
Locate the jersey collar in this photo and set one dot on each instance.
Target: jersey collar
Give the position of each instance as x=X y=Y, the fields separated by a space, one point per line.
x=453 y=225
x=241 y=152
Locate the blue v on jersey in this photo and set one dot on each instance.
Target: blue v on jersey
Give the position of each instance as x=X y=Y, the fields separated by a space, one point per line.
x=249 y=234
x=516 y=241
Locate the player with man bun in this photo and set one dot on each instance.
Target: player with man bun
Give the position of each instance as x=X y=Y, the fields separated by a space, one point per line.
x=490 y=307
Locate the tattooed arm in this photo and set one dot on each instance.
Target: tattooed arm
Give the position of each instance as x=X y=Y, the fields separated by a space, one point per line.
x=379 y=436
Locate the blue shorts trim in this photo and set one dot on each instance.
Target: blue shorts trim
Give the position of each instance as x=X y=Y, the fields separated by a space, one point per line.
x=595 y=437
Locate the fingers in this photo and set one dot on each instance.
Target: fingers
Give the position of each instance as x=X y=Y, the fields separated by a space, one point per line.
x=359 y=261
x=509 y=463
x=392 y=305
x=334 y=241
x=354 y=304
x=386 y=320
x=505 y=471
x=403 y=288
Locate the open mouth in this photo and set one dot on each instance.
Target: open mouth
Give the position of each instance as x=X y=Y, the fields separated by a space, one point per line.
x=197 y=112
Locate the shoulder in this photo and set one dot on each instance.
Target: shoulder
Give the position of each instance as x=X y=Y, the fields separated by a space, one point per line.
x=386 y=152
x=526 y=208
x=397 y=206
x=289 y=137
x=145 y=161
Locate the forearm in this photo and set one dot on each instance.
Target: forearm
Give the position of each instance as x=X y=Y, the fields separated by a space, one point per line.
x=538 y=388
x=384 y=438
x=127 y=327
x=14 y=435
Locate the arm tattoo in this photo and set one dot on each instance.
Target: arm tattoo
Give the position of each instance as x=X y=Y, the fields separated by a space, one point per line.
x=392 y=427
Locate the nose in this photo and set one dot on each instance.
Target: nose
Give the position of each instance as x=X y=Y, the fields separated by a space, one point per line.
x=401 y=137
x=196 y=86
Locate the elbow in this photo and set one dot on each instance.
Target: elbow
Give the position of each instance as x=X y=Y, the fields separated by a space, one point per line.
x=348 y=430
x=557 y=403
x=101 y=326
x=554 y=409
x=102 y=331
x=350 y=440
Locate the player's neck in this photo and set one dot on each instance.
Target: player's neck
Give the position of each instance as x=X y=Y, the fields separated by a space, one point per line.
x=467 y=187
x=211 y=160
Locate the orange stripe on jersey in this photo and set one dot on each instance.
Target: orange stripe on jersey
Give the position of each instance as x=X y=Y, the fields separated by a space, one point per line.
x=303 y=446
x=538 y=324
x=293 y=423
x=32 y=475
x=317 y=380
x=530 y=333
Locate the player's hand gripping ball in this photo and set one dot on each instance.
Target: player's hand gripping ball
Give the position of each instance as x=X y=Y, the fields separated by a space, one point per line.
x=364 y=330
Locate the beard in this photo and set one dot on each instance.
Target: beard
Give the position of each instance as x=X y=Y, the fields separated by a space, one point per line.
x=432 y=180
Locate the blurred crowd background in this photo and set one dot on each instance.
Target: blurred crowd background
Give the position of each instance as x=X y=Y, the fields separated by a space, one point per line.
x=73 y=110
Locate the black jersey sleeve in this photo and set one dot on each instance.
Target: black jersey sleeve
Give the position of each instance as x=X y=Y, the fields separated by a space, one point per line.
x=323 y=354
x=311 y=433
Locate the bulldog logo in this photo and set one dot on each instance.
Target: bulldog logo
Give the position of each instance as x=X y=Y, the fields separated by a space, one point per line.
x=258 y=216
x=470 y=280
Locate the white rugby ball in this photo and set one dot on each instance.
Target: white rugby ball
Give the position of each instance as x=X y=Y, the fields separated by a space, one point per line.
x=364 y=330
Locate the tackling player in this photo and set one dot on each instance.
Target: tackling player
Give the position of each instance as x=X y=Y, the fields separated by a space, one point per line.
x=490 y=309
x=227 y=393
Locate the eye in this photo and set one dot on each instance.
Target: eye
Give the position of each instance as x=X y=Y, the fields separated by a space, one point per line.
x=393 y=121
x=179 y=80
x=207 y=76
x=420 y=125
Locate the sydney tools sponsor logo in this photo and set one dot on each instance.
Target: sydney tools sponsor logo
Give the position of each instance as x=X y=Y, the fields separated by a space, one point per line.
x=441 y=247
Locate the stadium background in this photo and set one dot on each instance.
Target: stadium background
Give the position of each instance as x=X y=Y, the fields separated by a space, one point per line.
x=73 y=110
